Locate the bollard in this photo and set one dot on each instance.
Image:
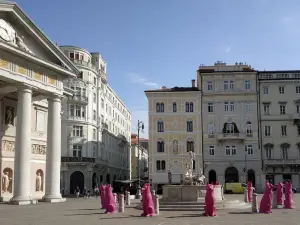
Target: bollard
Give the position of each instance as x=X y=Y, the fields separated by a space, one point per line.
x=274 y=201
x=153 y=196
x=254 y=203
x=116 y=197
x=156 y=204
x=121 y=203
x=127 y=198
x=246 y=195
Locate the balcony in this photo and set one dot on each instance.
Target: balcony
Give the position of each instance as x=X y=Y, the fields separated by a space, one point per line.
x=230 y=136
x=83 y=63
x=65 y=159
x=279 y=162
x=79 y=98
x=78 y=118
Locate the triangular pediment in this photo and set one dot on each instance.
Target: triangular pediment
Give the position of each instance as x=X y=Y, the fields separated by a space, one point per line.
x=18 y=32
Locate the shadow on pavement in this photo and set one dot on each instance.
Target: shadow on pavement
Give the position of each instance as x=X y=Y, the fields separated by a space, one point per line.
x=242 y=213
x=186 y=215
x=120 y=217
x=87 y=214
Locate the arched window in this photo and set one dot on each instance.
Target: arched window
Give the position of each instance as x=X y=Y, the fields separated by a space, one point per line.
x=160 y=146
x=160 y=126
x=174 y=107
x=163 y=165
x=191 y=107
x=160 y=165
x=187 y=107
x=189 y=126
x=248 y=128
x=190 y=146
x=194 y=164
x=157 y=107
x=160 y=107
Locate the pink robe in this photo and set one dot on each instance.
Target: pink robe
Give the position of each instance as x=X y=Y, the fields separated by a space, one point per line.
x=209 y=209
x=147 y=201
x=111 y=206
x=279 y=193
x=250 y=191
x=266 y=201
x=288 y=201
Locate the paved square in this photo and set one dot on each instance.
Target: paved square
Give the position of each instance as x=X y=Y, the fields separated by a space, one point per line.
x=81 y=212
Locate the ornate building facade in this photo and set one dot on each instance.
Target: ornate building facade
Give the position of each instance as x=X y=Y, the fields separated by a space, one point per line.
x=96 y=130
x=32 y=71
x=139 y=157
x=174 y=130
x=279 y=108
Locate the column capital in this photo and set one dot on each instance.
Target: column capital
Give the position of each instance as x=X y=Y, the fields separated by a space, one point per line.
x=25 y=88
x=54 y=97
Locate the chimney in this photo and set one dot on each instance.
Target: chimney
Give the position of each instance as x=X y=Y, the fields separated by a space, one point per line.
x=193 y=83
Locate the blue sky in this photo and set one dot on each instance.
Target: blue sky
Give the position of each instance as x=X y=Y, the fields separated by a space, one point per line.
x=150 y=43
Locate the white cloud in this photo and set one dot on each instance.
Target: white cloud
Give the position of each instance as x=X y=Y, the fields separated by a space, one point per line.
x=141 y=115
x=138 y=79
x=227 y=49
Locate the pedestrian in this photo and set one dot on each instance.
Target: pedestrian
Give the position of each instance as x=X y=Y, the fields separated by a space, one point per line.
x=77 y=192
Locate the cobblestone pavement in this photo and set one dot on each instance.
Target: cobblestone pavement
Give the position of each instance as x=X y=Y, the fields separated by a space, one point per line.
x=81 y=212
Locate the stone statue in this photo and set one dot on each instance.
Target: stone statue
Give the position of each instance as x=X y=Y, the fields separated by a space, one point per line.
x=20 y=43
x=9 y=115
x=191 y=158
x=175 y=146
x=38 y=182
x=5 y=181
x=7 y=32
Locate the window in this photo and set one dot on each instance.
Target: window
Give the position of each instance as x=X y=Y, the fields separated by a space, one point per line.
x=232 y=106
x=190 y=146
x=174 y=107
x=191 y=107
x=297 y=89
x=160 y=146
x=95 y=81
x=76 y=55
x=94 y=151
x=102 y=103
x=231 y=85
x=77 y=150
x=211 y=150
x=160 y=107
x=94 y=115
x=227 y=150
x=77 y=131
x=268 y=153
x=284 y=153
x=226 y=86
x=267 y=131
x=76 y=110
x=194 y=164
x=248 y=128
x=71 y=55
x=160 y=165
x=281 y=90
x=233 y=150
x=267 y=109
x=210 y=107
x=160 y=126
x=249 y=149
x=226 y=106
x=209 y=85
x=298 y=108
x=248 y=107
x=94 y=134
x=282 y=109
x=94 y=98
x=189 y=126
x=211 y=129
x=284 y=130
x=298 y=130
x=247 y=84
x=266 y=90
x=229 y=128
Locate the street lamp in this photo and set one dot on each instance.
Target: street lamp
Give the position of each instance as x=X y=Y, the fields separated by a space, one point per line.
x=140 y=127
x=245 y=169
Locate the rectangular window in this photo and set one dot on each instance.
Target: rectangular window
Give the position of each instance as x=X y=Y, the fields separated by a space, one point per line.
x=247 y=84
x=209 y=85
x=211 y=129
x=211 y=150
x=77 y=131
x=71 y=55
x=233 y=150
x=94 y=151
x=231 y=85
x=94 y=115
x=77 y=150
x=227 y=150
x=94 y=134
x=226 y=85
x=281 y=90
x=102 y=103
x=267 y=131
x=284 y=153
x=95 y=81
x=298 y=108
x=210 y=107
x=226 y=106
x=94 y=97
x=284 y=130
x=249 y=128
x=297 y=89
x=248 y=107
x=266 y=90
x=232 y=106
x=298 y=130
x=282 y=109
x=249 y=149
x=269 y=153
x=267 y=109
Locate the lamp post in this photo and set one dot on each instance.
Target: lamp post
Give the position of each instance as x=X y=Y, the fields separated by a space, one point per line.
x=245 y=169
x=140 y=127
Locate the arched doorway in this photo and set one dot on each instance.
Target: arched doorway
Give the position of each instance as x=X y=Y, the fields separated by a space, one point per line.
x=231 y=175
x=251 y=177
x=101 y=179
x=114 y=177
x=108 y=178
x=94 y=180
x=212 y=177
x=76 y=180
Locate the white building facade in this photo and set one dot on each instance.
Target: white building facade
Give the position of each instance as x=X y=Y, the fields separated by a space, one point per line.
x=230 y=129
x=96 y=130
x=279 y=108
x=32 y=70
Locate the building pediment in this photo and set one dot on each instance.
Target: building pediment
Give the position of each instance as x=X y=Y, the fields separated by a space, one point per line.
x=20 y=36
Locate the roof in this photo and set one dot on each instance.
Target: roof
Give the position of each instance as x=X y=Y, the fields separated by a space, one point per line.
x=175 y=89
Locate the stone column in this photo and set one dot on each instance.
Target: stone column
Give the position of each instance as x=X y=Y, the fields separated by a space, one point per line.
x=22 y=179
x=121 y=203
x=254 y=203
x=53 y=155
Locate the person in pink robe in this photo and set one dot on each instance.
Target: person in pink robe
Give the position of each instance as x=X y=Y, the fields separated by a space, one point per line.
x=266 y=201
x=147 y=201
x=110 y=202
x=250 y=191
x=288 y=194
x=279 y=193
x=209 y=209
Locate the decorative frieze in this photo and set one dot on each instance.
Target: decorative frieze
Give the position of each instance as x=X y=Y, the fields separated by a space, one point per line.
x=38 y=76
x=8 y=146
x=4 y=64
x=38 y=149
x=52 y=80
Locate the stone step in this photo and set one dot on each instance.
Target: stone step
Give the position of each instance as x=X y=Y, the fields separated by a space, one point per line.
x=200 y=208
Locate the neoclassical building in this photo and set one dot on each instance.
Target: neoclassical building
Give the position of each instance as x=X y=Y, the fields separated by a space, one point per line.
x=96 y=126
x=174 y=131
x=32 y=71
x=279 y=109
